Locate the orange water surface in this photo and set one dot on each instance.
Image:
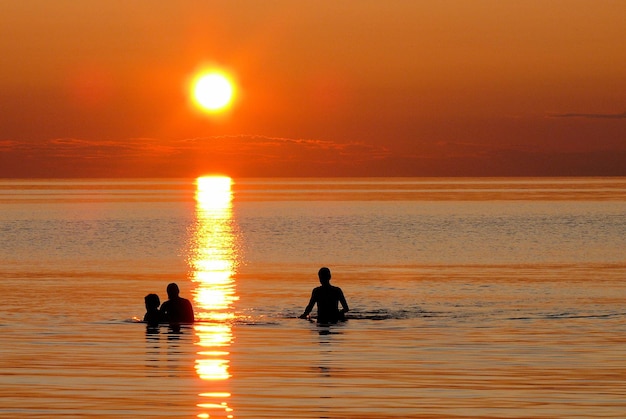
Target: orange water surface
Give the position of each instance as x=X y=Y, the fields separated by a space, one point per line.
x=470 y=298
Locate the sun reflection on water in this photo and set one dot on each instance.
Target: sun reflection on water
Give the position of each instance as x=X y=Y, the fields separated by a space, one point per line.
x=213 y=264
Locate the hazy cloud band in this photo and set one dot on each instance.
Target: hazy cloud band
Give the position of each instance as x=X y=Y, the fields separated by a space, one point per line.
x=590 y=115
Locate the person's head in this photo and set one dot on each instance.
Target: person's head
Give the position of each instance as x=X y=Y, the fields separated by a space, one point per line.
x=152 y=301
x=172 y=290
x=324 y=275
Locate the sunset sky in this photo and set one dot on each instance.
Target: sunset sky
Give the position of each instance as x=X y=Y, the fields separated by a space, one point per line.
x=101 y=88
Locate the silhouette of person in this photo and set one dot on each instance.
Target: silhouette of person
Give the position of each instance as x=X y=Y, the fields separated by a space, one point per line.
x=176 y=309
x=327 y=297
x=153 y=315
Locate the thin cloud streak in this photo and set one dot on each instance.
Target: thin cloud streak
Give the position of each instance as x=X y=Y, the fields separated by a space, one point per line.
x=589 y=115
x=267 y=156
x=354 y=150
x=244 y=155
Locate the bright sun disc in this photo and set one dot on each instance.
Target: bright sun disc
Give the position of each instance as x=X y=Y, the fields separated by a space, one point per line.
x=213 y=91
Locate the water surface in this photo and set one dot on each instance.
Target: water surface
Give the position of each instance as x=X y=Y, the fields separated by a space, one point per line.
x=490 y=298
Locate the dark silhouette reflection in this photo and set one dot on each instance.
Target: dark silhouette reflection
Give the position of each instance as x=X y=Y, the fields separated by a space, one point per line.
x=329 y=340
x=327 y=297
x=325 y=330
x=213 y=260
x=152 y=332
x=168 y=352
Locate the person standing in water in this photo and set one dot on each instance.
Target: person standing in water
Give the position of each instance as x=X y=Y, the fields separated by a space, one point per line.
x=153 y=315
x=176 y=309
x=327 y=297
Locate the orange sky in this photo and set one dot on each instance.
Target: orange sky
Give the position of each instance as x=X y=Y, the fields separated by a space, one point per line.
x=325 y=88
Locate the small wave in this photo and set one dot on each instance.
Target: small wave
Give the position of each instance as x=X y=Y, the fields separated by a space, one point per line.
x=582 y=316
x=568 y=316
x=383 y=314
x=273 y=319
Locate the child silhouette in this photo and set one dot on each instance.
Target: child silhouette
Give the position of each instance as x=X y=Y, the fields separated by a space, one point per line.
x=152 y=316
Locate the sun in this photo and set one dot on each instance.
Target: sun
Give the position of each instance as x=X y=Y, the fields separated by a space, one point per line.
x=213 y=91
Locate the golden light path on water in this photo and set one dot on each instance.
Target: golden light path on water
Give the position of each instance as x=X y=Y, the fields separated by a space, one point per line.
x=213 y=263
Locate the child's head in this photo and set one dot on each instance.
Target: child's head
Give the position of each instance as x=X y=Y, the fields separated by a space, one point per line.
x=152 y=301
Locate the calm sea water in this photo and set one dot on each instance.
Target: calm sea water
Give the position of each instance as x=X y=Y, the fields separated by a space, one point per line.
x=470 y=298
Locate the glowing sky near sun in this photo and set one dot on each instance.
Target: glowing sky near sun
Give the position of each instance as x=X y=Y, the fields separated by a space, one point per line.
x=367 y=88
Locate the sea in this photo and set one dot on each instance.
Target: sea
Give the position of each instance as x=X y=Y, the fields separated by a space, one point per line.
x=469 y=297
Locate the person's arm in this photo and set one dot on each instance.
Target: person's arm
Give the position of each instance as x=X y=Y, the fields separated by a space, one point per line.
x=343 y=302
x=309 y=307
x=190 y=316
x=163 y=311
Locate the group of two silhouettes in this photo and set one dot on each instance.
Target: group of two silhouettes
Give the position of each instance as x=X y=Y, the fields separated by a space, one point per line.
x=177 y=310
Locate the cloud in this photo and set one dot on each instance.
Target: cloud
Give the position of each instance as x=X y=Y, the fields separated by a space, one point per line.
x=589 y=115
x=7 y=145
x=267 y=156
x=319 y=150
x=239 y=155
